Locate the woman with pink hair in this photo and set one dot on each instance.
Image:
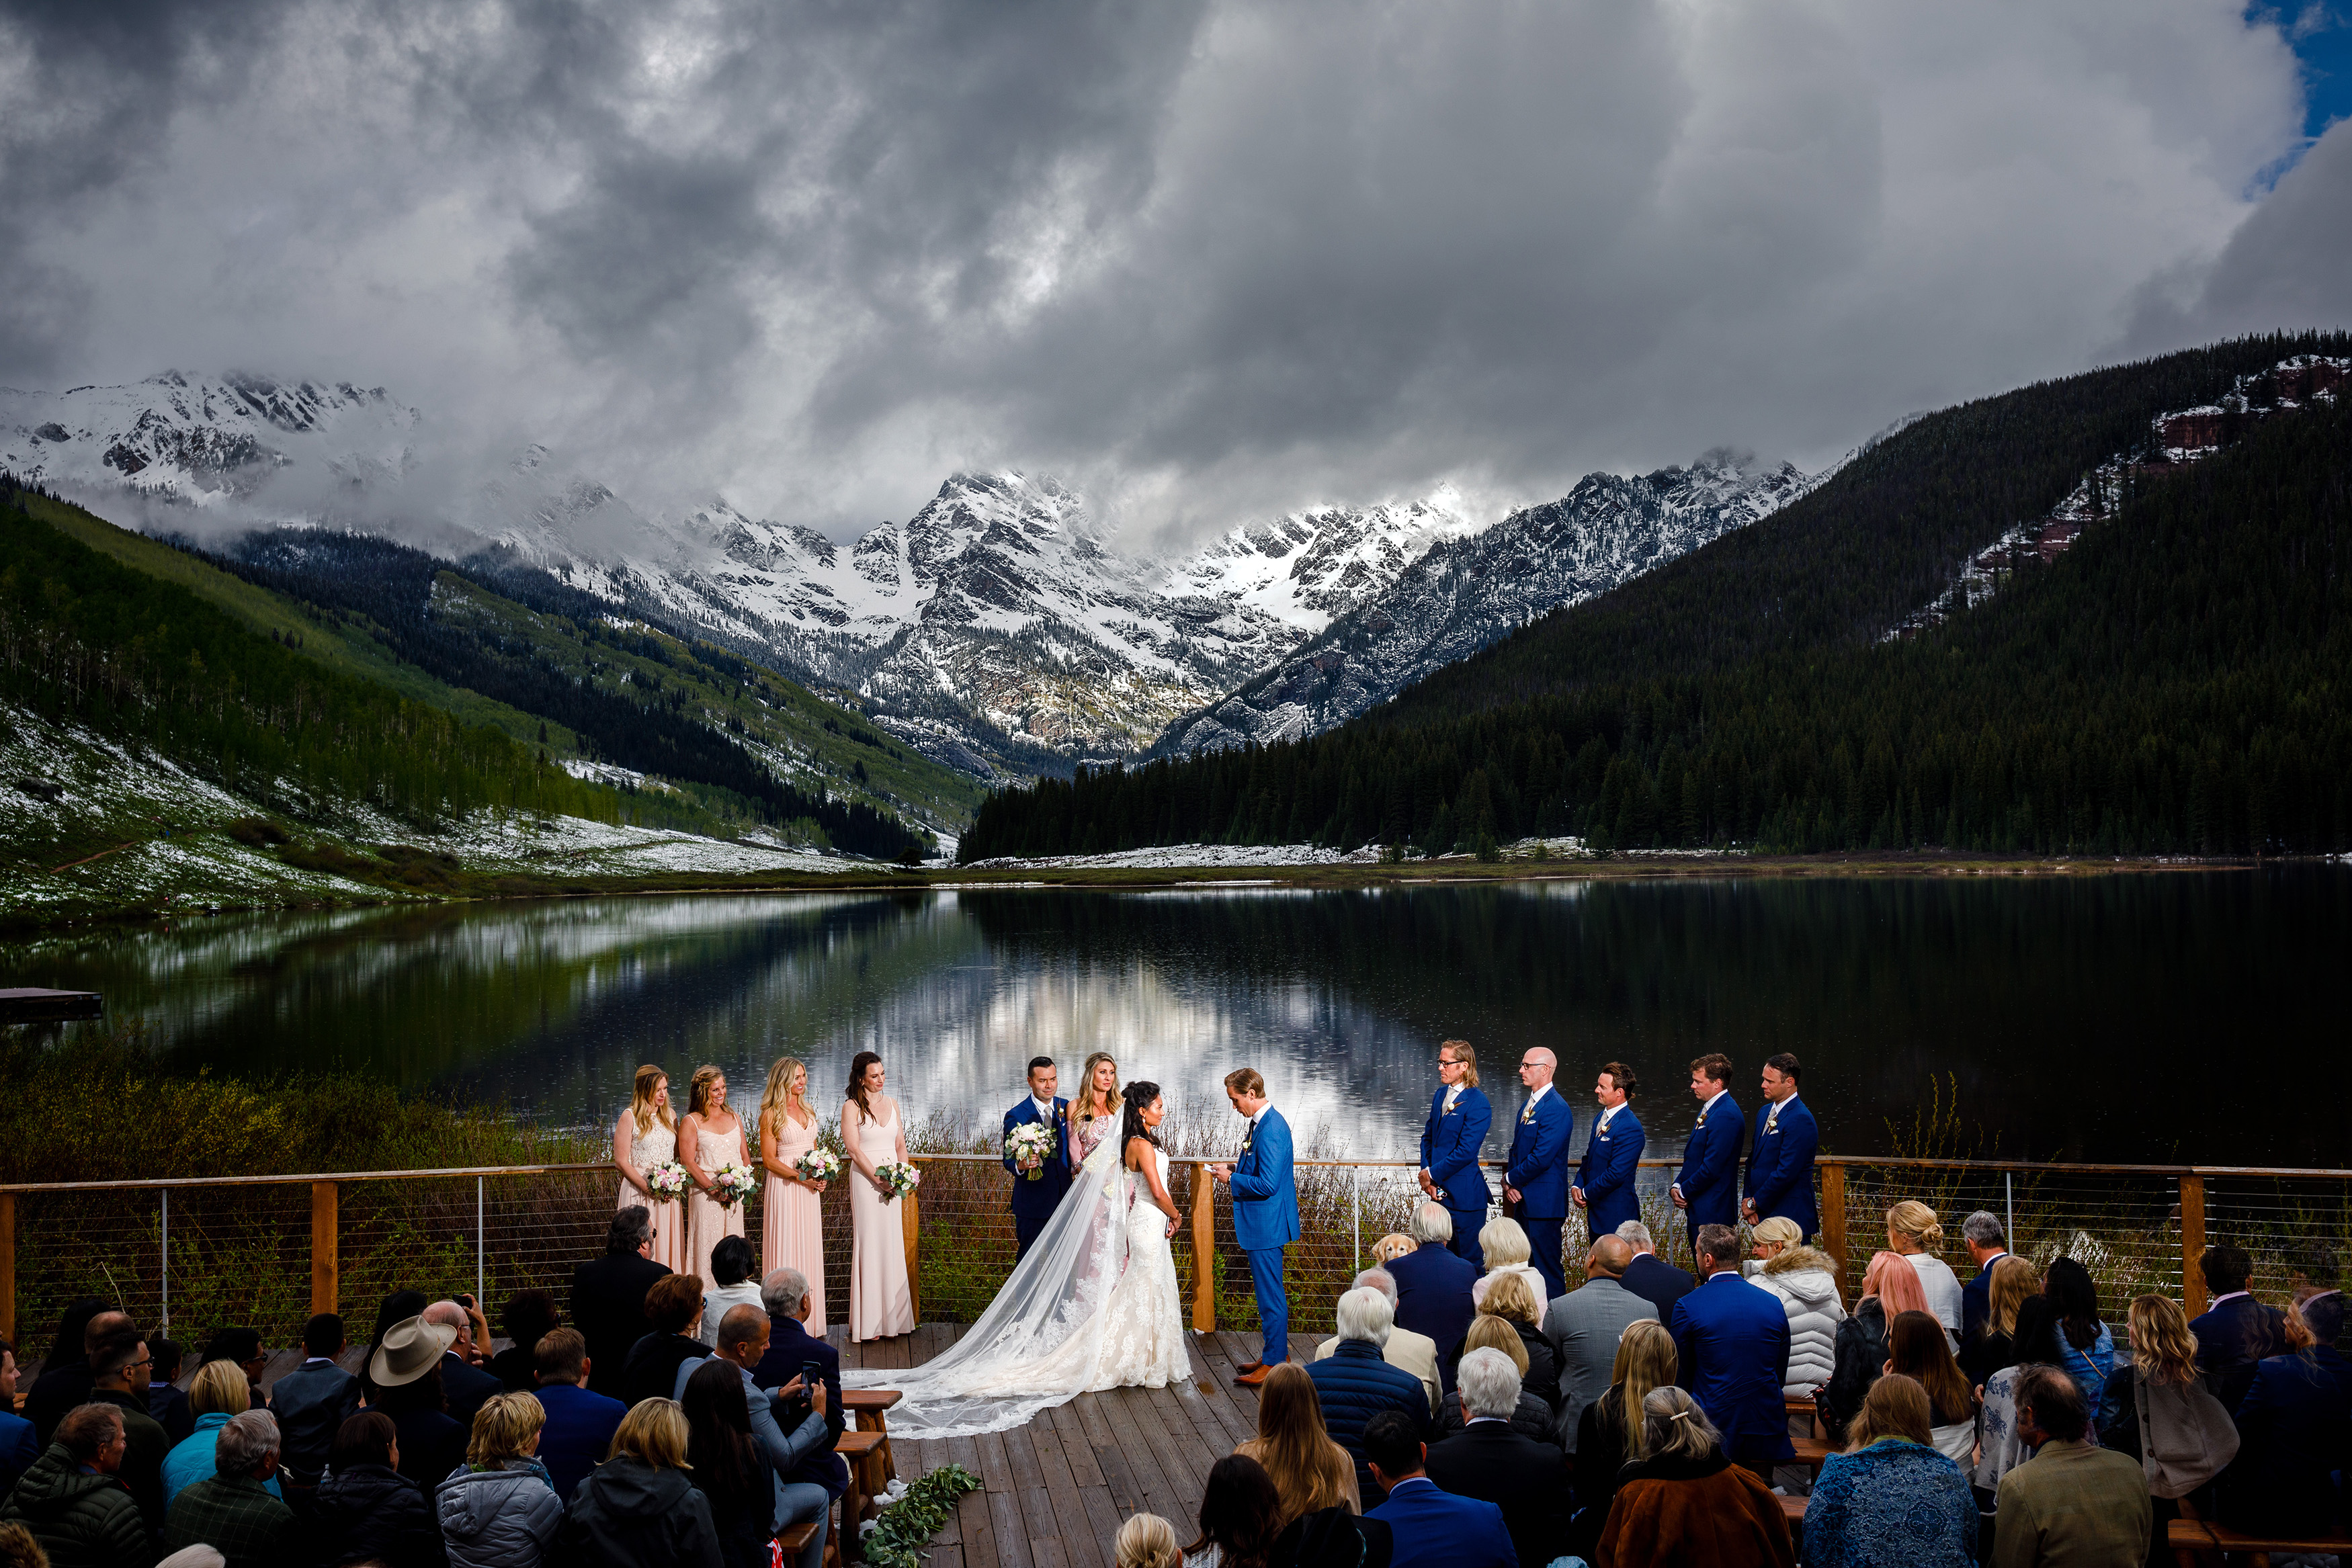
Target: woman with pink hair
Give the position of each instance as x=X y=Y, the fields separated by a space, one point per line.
x=1890 y=1286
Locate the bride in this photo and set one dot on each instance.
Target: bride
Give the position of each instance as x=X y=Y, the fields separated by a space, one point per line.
x=1093 y=1306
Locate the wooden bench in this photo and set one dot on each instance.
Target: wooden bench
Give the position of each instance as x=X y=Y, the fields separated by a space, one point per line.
x=862 y=1452
x=1811 y=1451
x=866 y=1408
x=2202 y=1540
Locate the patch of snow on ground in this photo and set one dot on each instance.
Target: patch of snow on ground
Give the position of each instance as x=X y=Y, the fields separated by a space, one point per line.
x=554 y=843
x=1191 y=855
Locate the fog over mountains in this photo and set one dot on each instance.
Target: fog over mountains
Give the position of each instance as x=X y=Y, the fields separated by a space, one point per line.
x=1000 y=629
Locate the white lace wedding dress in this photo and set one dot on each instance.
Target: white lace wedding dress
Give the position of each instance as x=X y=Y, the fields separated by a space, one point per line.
x=1093 y=1306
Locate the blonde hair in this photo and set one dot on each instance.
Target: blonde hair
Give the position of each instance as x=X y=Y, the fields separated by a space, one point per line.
x=1147 y=1541
x=1674 y=1427
x=697 y=1092
x=775 y=1100
x=1503 y=1243
x=1309 y=1471
x=1392 y=1246
x=2161 y=1345
x=1914 y=1222
x=506 y=1427
x=219 y=1389
x=1488 y=1331
x=1896 y=1407
x=1246 y=1080
x=1645 y=1361
x=2014 y=1283
x=1462 y=1049
x=654 y=1433
x=641 y=1100
x=1778 y=1231
x=1082 y=1109
x=1511 y=1296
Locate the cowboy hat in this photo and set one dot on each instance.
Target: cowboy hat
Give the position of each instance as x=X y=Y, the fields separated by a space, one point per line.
x=411 y=1348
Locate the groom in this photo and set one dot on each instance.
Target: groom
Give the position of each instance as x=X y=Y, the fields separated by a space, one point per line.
x=1265 y=1213
x=1037 y=1196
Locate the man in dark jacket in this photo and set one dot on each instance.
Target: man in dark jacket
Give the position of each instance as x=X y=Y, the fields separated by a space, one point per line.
x=1488 y=1460
x=1355 y=1382
x=1650 y=1277
x=72 y=1502
x=1434 y=1287
x=118 y=1367
x=64 y=1382
x=231 y=1512
x=580 y=1422
x=313 y=1401
x=467 y=1386
x=165 y=1400
x=608 y=1297
x=791 y=1351
x=1731 y=1345
x=2236 y=1333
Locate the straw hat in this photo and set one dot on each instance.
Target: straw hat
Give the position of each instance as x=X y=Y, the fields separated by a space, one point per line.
x=411 y=1348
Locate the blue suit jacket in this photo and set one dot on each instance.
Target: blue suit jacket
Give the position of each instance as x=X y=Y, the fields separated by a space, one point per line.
x=1710 y=1175
x=1606 y=1173
x=1450 y=1146
x=1538 y=1167
x=1976 y=1301
x=1433 y=1297
x=1780 y=1164
x=789 y=1344
x=1266 y=1203
x=1438 y=1530
x=1036 y=1199
x=2231 y=1338
x=1731 y=1343
x=578 y=1434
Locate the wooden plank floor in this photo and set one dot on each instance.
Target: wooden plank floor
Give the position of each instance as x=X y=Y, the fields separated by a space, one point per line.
x=1058 y=1489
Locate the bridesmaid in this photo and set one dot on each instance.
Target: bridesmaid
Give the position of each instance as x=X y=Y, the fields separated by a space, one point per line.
x=880 y=1306
x=792 y=1223
x=1097 y=1111
x=709 y=1135
x=647 y=1134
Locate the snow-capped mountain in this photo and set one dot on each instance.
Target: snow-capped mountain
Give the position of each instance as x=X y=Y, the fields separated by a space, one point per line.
x=1463 y=594
x=1307 y=567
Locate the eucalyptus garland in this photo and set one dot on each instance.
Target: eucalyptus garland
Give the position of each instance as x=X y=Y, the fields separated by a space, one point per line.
x=908 y=1525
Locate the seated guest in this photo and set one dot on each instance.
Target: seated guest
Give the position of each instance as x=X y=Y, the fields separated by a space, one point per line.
x=394 y=1310
x=1684 y=1504
x=2314 y=1271
x=1917 y=1347
x=1805 y=1279
x=64 y=1382
x=18 y=1447
x=366 y=1510
x=1311 y=1471
x=1503 y=1245
x=1995 y=1345
x=530 y=1317
x=639 y=1509
x=1582 y=1328
x=1510 y=1298
x=72 y=1504
x=466 y=1385
x=1488 y=1459
x=1891 y=1500
x=1731 y=1340
x=1531 y=1418
x=1146 y=1541
x=118 y=1367
x=1987 y=1244
x=1610 y=1433
x=165 y=1402
x=608 y=1297
x=671 y=1307
x=2234 y=1333
x=788 y=1425
x=406 y=1372
x=1434 y=1287
x=499 y=1509
x=1890 y=1286
x=230 y=1511
x=1912 y=1232
x=792 y=1352
x=1240 y=1522
x=2292 y=1428
x=1649 y=1276
x=731 y=1284
x=2074 y=1501
x=579 y=1421
x=243 y=1347
x=2000 y=1446
x=1429 y=1528
x=215 y=1393
x=2155 y=1385
x=1355 y=1382
x=2085 y=1349
x=313 y=1401
x=725 y=1463
x=1405 y=1350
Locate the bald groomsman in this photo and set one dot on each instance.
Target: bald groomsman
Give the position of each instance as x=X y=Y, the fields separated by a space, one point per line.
x=1535 y=1180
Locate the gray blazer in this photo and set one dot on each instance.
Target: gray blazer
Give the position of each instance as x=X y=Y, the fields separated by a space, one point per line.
x=1582 y=1328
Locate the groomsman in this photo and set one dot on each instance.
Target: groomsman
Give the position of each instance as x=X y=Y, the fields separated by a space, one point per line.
x=1604 y=1181
x=1036 y=1195
x=1535 y=1180
x=1780 y=1161
x=1459 y=1117
x=1707 y=1189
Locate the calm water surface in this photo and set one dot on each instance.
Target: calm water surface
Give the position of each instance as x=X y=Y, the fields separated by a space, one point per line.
x=2196 y=1016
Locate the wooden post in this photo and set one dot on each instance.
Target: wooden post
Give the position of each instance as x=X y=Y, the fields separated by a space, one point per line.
x=1833 y=1214
x=2192 y=1244
x=326 y=1258
x=8 y=1267
x=910 y=1218
x=1204 y=1250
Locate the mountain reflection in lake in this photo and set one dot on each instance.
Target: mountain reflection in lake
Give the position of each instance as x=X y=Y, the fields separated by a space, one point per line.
x=2120 y=1017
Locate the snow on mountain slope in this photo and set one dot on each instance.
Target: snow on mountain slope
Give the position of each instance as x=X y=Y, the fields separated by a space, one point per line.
x=1307 y=567
x=1466 y=592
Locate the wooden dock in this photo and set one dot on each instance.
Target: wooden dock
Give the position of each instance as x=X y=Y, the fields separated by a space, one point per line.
x=1059 y=1488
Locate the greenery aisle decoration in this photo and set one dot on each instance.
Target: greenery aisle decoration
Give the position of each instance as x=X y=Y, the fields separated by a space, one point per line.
x=908 y=1525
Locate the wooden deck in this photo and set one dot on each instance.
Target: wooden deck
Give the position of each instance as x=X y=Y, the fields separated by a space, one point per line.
x=1059 y=1488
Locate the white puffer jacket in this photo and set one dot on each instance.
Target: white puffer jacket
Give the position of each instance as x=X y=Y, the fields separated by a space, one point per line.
x=1805 y=1279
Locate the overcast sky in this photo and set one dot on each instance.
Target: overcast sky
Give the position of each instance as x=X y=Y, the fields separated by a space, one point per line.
x=1207 y=260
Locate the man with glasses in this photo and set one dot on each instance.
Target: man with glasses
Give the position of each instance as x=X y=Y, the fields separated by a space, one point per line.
x=1536 y=1181
x=119 y=1370
x=1451 y=1143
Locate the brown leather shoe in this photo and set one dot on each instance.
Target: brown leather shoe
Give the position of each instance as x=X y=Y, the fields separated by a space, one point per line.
x=1254 y=1378
x=1253 y=1366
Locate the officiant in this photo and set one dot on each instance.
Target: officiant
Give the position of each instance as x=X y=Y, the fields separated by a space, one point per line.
x=1038 y=1188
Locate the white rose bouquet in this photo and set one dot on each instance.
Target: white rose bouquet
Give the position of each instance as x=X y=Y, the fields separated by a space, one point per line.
x=730 y=1184
x=1029 y=1147
x=897 y=1178
x=668 y=1180
x=819 y=1163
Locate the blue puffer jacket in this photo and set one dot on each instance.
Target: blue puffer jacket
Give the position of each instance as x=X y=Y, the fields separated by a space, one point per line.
x=1354 y=1384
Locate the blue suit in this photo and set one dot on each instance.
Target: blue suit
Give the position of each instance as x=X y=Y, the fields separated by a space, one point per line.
x=1266 y=1221
x=1434 y=1299
x=1449 y=1153
x=1606 y=1174
x=1435 y=1529
x=1035 y=1200
x=1709 y=1178
x=1780 y=1164
x=1731 y=1345
x=1538 y=1170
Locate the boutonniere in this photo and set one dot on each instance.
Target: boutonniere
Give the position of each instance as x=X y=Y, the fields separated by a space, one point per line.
x=1528 y=1116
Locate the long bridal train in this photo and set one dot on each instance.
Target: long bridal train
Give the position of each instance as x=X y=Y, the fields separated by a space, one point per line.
x=1093 y=1306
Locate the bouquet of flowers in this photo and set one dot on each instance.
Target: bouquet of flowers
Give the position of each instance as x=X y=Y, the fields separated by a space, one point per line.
x=820 y=1164
x=897 y=1178
x=730 y=1184
x=1029 y=1147
x=668 y=1180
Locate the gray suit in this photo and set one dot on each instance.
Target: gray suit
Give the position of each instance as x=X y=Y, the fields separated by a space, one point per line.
x=1582 y=1328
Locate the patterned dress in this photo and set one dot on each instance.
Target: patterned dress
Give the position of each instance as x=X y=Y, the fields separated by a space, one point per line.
x=657 y=1147
x=1894 y=1505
